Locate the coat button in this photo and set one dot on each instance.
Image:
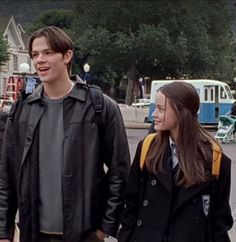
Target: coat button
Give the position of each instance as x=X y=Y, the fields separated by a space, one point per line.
x=145 y=203
x=139 y=223
x=153 y=182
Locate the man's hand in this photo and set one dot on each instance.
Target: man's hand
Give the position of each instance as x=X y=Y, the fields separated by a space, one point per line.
x=5 y=240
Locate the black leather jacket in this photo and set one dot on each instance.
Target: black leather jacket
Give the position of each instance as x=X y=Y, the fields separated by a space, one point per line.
x=92 y=198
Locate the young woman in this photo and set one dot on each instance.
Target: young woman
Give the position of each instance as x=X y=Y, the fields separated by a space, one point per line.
x=175 y=197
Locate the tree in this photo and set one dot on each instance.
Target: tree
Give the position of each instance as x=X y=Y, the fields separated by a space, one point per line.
x=60 y=18
x=161 y=38
x=153 y=38
x=130 y=35
x=4 y=54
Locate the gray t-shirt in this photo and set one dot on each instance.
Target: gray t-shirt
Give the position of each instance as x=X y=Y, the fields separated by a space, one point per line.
x=50 y=166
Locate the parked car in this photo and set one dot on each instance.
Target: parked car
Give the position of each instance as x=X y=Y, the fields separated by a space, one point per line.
x=141 y=103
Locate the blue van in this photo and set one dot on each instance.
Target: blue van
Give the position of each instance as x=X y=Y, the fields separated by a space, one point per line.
x=215 y=97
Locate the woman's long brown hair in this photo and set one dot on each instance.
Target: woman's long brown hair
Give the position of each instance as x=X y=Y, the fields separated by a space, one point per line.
x=193 y=142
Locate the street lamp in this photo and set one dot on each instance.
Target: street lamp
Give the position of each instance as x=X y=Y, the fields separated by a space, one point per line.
x=87 y=75
x=29 y=83
x=86 y=67
x=24 y=68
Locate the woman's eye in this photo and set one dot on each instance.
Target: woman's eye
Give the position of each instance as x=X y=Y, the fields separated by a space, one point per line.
x=160 y=109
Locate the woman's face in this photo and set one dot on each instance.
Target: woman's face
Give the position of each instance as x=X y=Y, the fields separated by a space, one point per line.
x=164 y=115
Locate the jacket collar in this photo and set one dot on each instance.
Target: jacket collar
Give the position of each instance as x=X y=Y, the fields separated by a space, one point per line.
x=78 y=92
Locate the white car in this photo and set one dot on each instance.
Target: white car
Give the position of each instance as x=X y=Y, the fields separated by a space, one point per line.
x=141 y=103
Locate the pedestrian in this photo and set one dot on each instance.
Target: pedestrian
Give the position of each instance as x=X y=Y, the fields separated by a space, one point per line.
x=54 y=151
x=233 y=109
x=175 y=197
x=141 y=87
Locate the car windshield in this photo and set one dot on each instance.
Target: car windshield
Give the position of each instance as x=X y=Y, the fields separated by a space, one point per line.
x=229 y=92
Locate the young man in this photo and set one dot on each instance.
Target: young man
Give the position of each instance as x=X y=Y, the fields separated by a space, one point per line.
x=54 y=151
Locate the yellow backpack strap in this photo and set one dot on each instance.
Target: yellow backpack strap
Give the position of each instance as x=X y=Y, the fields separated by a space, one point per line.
x=216 y=159
x=145 y=146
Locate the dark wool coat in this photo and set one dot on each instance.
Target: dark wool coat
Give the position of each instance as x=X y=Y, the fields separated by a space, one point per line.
x=91 y=198
x=158 y=211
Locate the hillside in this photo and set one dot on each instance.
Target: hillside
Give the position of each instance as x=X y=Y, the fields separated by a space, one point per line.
x=26 y=11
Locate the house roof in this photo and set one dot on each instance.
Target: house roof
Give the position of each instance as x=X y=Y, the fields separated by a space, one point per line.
x=20 y=34
x=24 y=35
x=4 y=21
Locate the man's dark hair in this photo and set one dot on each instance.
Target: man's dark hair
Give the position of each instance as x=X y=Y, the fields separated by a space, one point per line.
x=56 y=38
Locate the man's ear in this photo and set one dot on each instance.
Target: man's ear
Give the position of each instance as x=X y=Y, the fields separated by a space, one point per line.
x=68 y=56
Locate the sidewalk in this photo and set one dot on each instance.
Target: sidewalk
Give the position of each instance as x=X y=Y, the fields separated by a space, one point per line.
x=134 y=117
x=136 y=125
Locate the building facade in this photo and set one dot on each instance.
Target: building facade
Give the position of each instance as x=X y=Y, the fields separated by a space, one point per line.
x=17 y=41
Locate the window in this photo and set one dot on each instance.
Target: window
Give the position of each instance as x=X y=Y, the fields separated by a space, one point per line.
x=222 y=93
x=15 y=63
x=206 y=94
x=209 y=93
x=229 y=93
x=212 y=94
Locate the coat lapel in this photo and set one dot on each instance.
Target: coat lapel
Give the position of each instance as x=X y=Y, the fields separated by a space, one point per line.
x=165 y=177
x=186 y=194
x=35 y=115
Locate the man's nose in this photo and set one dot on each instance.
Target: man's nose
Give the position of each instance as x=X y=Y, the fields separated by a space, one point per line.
x=40 y=57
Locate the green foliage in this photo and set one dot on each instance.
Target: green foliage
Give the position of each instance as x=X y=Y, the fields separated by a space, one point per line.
x=174 y=37
x=4 y=54
x=158 y=38
x=61 y=18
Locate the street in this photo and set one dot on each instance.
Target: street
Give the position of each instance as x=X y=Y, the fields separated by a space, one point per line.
x=135 y=135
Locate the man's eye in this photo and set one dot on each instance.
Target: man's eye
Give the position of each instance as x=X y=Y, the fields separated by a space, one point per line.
x=49 y=52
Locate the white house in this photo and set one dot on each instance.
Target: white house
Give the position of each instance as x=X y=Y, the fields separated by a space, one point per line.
x=17 y=40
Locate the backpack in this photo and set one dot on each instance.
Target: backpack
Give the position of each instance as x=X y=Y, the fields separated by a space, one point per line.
x=97 y=99
x=95 y=93
x=216 y=154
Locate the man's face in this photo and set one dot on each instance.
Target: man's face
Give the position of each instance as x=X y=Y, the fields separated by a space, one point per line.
x=50 y=66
